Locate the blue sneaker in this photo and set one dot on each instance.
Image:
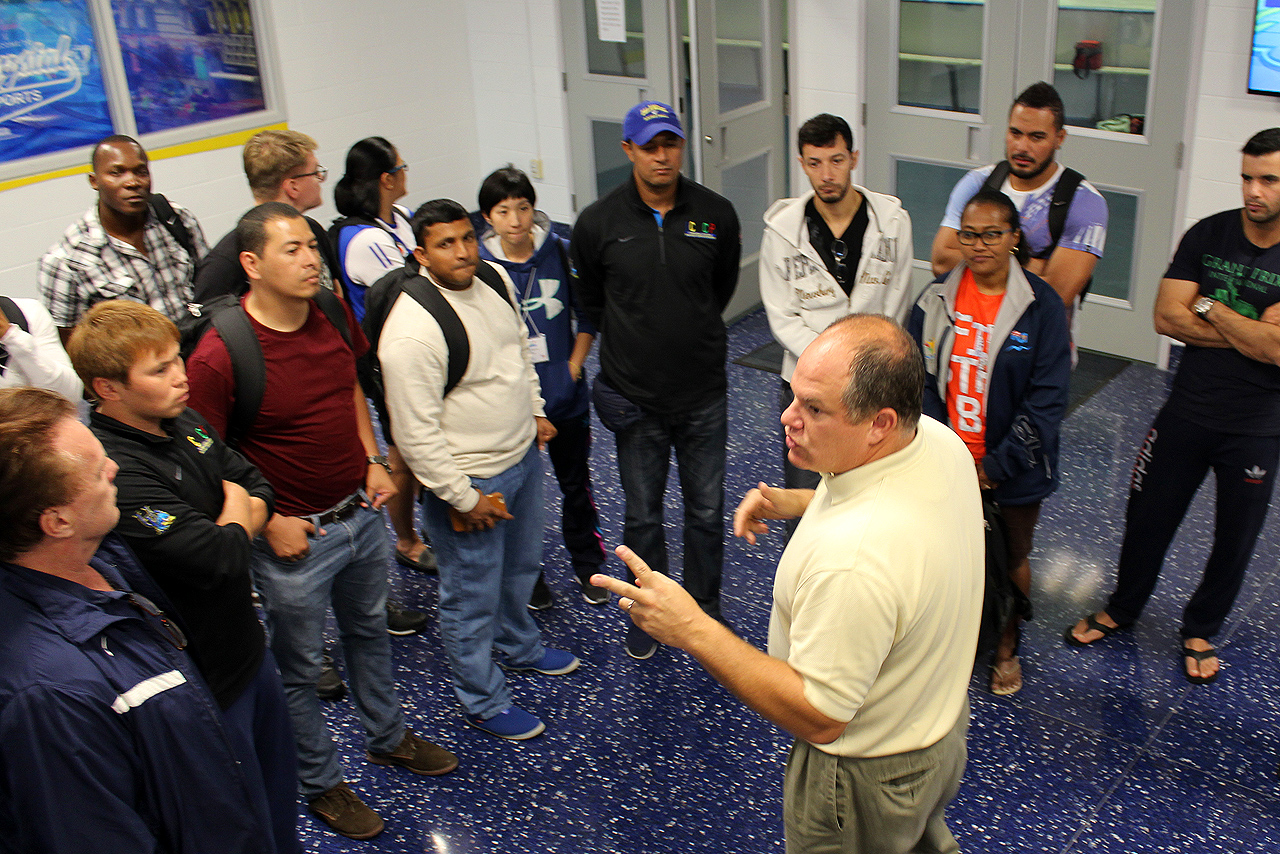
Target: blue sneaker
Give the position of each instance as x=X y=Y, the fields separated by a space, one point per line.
x=554 y=662
x=513 y=723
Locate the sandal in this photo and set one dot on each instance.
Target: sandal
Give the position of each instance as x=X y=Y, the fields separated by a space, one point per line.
x=1199 y=655
x=1094 y=625
x=1006 y=677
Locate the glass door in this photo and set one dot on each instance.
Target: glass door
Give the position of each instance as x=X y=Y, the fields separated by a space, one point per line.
x=738 y=118
x=941 y=111
x=617 y=54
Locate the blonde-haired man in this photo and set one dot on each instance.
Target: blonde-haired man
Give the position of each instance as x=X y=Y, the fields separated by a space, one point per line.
x=281 y=166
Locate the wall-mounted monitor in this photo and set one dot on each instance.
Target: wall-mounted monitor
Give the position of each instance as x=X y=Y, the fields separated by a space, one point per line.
x=1264 y=64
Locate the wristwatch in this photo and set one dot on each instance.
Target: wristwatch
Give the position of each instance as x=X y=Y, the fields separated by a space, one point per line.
x=379 y=460
x=1201 y=306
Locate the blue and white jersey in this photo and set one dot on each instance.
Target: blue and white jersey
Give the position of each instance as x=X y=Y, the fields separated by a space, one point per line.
x=1086 y=226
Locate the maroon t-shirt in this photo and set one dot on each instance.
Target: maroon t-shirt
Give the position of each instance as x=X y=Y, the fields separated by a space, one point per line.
x=304 y=439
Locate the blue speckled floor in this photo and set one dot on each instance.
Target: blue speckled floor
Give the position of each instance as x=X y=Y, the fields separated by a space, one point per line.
x=1107 y=749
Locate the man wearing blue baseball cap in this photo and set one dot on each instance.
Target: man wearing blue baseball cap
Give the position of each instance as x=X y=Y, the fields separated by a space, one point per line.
x=655 y=263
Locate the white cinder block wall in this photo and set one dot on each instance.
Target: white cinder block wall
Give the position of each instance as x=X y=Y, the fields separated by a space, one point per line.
x=1226 y=115
x=516 y=68
x=388 y=68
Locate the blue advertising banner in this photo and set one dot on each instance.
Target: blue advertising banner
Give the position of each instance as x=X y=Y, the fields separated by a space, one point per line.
x=51 y=92
x=188 y=61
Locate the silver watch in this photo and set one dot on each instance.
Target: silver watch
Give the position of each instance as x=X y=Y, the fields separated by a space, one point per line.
x=1202 y=306
x=379 y=460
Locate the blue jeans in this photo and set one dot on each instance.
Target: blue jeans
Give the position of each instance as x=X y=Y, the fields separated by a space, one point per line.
x=486 y=579
x=347 y=567
x=644 y=453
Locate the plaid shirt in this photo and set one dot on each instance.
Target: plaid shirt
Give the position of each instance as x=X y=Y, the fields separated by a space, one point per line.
x=88 y=266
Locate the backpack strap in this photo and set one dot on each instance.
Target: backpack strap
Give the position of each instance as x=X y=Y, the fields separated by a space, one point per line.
x=997 y=177
x=1060 y=205
x=329 y=303
x=17 y=318
x=168 y=217
x=491 y=277
x=429 y=297
x=14 y=314
x=248 y=370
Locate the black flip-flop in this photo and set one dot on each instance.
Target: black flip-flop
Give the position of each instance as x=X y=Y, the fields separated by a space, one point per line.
x=425 y=564
x=1199 y=655
x=1094 y=625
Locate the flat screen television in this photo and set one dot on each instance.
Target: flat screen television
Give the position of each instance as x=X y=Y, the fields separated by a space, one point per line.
x=1264 y=64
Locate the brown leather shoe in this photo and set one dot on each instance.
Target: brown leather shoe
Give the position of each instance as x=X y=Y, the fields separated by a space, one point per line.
x=418 y=755
x=342 y=810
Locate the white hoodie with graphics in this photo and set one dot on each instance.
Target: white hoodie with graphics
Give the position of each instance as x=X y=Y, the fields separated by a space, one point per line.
x=801 y=298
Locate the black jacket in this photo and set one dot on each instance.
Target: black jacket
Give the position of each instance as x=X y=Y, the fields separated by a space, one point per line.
x=220 y=271
x=170 y=494
x=656 y=293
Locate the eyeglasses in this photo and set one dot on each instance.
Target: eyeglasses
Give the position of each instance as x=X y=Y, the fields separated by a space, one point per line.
x=399 y=168
x=989 y=238
x=839 y=252
x=320 y=174
x=146 y=606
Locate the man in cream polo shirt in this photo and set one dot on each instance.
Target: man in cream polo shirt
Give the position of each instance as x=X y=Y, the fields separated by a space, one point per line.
x=876 y=602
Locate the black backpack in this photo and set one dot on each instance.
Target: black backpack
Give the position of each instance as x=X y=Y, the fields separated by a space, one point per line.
x=225 y=314
x=1001 y=598
x=335 y=234
x=1059 y=204
x=16 y=317
x=382 y=295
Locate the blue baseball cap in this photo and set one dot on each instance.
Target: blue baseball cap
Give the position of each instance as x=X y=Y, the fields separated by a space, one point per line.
x=647 y=119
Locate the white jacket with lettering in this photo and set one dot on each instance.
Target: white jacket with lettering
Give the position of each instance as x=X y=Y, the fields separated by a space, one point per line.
x=802 y=299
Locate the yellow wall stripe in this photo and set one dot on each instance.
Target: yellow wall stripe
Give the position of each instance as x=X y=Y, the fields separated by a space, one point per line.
x=226 y=140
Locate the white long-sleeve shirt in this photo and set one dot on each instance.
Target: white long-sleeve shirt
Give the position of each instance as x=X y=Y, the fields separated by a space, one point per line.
x=486 y=423
x=36 y=358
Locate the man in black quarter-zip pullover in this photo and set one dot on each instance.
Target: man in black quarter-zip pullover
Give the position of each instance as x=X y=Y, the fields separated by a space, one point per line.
x=655 y=263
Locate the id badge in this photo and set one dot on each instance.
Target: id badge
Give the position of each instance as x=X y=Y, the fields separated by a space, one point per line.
x=538 y=349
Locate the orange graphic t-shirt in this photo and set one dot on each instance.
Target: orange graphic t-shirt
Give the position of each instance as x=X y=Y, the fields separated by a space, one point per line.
x=967 y=375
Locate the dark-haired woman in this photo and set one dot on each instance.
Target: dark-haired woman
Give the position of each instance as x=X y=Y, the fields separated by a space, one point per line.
x=997 y=353
x=373 y=236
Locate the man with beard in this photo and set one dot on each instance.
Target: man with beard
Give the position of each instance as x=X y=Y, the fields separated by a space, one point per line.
x=1219 y=297
x=833 y=251
x=1063 y=255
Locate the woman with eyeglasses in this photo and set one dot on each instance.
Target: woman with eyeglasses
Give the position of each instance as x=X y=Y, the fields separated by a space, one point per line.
x=373 y=236
x=998 y=358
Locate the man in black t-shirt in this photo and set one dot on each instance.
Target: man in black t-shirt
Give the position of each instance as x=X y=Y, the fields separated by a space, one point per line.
x=1220 y=297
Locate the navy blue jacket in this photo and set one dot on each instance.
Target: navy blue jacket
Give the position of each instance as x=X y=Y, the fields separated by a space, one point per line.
x=109 y=739
x=1028 y=376
x=546 y=301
